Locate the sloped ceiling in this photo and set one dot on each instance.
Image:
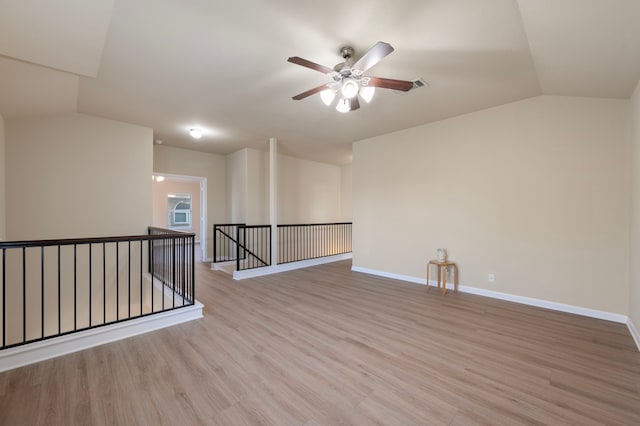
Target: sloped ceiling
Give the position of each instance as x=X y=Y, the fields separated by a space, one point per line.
x=172 y=65
x=67 y=35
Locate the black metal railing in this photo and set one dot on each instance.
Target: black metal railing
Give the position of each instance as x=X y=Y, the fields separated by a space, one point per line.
x=52 y=288
x=256 y=250
x=225 y=241
x=311 y=241
x=172 y=262
x=250 y=246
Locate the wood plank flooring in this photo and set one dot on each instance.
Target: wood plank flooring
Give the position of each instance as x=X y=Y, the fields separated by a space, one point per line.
x=327 y=346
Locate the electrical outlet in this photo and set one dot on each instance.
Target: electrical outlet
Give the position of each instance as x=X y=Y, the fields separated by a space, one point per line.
x=492 y=278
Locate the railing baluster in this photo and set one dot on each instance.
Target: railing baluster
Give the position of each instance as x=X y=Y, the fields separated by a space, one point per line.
x=117 y=281
x=42 y=291
x=59 y=296
x=173 y=252
x=129 y=282
x=4 y=297
x=104 y=282
x=24 y=294
x=141 y=251
x=75 y=287
x=90 y=282
x=152 y=269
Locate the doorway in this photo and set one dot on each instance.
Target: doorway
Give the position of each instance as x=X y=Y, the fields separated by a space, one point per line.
x=180 y=203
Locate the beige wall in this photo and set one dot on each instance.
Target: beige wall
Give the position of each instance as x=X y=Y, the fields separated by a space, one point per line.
x=535 y=192
x=2 y=181
x=308 y=191
x=634 y=299
x=178 y=161
x=161 y=191
x=75 y=175
x=346 y=184
x=248 y=186
x=257 y=187
x=237 y=186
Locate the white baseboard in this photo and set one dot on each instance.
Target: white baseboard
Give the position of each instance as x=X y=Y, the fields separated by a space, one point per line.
x=219 y=265
x=593 y=313
x=268 y=270
x=634 y=332
x=389 y=275
x=39 y=351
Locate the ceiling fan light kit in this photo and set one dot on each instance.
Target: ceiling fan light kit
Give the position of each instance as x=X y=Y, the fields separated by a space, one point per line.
x=349 y=81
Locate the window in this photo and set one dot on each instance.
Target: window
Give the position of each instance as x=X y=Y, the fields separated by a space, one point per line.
x=179 y=210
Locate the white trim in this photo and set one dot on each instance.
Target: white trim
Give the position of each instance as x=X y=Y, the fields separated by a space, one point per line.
x=39 y=351
x=389 y=275
x=268 y=270
x=203 y=202
x=634 y=332
x=219 y=266
x=593 y=313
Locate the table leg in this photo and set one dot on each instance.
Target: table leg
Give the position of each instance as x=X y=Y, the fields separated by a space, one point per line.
x=428 y=268
x=455 y=278
x=444 y=279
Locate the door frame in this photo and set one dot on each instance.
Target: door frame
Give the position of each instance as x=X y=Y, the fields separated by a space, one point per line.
x=203 y=206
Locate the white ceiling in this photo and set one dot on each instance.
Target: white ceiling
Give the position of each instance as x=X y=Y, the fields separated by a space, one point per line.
x=222 y=66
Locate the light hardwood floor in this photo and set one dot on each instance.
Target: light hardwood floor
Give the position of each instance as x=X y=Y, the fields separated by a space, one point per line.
x=325 y=345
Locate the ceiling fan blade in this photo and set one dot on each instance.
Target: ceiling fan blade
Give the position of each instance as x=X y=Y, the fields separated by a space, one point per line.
x=373 y=56
x=309 y=92
x=388 y=83
x=317 y=67
x=354 y=104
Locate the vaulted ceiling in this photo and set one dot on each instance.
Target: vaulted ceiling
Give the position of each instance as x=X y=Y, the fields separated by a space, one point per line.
x=222 y=66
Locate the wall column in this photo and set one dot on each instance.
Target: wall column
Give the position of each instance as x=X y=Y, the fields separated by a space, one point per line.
x=273 y=198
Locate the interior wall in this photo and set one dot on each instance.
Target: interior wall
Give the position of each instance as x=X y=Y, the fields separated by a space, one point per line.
x=161 y=191
x=634 y=282
x=308 y=191
x=535 y=192
x=257 y=187
x=75 y=175
x=237 y=186
x=213 y=167
x=346 y=210
x=3 y=190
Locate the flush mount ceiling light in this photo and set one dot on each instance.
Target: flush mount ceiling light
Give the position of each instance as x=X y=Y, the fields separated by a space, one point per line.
x=349 y=81
x=195 y=133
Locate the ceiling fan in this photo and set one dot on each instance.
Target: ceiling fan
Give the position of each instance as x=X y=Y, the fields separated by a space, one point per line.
x=349 y=81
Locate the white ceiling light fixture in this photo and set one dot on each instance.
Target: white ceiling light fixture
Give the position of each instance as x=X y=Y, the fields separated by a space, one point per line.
x=344 y=105
x=367 y=93
x=195 y=133
x=159 y=178
x=350 y=88
x=328 y=96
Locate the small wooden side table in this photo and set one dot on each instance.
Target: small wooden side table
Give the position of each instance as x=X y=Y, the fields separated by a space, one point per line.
x=442 y=272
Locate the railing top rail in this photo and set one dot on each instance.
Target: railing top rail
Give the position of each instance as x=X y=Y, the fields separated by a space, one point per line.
x=95 y=240
x=168 y=231
x=228 y=224
x=314 y=224
x=256 y=226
